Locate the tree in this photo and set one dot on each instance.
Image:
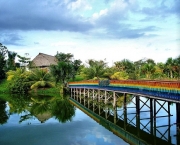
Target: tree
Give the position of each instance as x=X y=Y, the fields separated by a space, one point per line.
x=95 y=69
x=169 y=65
x=177 y=66
x=127 y=66
x=64 y=57
x=148 y=68
x=40 y=78
x=122 y=75
x=159 y=71
x=3 y=52
x=62 y=72
x=23 y=60
x=18 y=81
x=65 y=69
x=11 y=60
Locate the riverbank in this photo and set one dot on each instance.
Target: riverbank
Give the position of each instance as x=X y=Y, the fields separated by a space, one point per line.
x=55 y=90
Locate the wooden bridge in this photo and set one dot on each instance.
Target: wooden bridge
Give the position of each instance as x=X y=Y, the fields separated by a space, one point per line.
x=156 y=93
x=165 y=90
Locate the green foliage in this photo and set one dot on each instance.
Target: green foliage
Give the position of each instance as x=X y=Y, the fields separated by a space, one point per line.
x=23 y=60
x=19 y=82
x=77 y=78
x=3 y=52
x=95 y=69
x=148 y=69
x=3 y=113
x=122 y=75
x=4 y=86
x=64 y=57
x=63 y=110
x=62 y=72
x=11 y=65
x=66 y=69
x=40 y=78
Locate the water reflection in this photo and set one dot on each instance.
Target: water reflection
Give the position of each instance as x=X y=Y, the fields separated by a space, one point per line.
x=3 y=113
x=132 y=119
x=41 y=107
x=55 y=113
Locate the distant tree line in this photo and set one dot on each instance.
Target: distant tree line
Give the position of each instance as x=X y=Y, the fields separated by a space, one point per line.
x=70 y=69
x=126 y=69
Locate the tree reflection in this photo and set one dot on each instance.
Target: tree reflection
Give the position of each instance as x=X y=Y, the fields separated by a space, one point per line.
x=3 y=113
x=42 y=107
x=45 y=107
x=63 y=110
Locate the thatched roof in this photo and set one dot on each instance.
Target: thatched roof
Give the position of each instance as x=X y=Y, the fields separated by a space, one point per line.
x=43 y=117
x=44 y=60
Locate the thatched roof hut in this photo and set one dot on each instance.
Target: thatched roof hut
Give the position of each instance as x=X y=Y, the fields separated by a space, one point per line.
x=44 y=60
x=43 y=117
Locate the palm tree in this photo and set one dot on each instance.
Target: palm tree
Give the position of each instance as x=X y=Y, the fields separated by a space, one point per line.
x=169 y=65
x=148 y=68
x=177 y=66
x=96 y=69
x=159 y=70
x=40 y=78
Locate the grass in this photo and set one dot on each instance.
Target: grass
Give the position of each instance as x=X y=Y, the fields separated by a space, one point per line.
x=77 y=78
x=47 y=91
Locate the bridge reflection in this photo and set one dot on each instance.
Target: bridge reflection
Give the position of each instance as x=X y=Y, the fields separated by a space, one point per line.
x=131 y=117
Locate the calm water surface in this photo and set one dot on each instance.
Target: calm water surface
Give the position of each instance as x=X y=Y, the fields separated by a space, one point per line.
x=29 y=122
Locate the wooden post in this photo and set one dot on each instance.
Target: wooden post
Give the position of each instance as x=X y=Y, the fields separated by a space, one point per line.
x=105 y=97
x=137 y=106
x=151 y=116
x=125 y=111
x=178 y=116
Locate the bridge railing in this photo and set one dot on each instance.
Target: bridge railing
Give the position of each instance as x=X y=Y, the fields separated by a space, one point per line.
x=152 y=85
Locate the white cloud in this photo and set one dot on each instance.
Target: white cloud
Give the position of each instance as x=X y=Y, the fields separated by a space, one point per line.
x=79 y=5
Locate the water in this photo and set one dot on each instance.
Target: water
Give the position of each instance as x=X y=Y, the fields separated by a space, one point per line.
x=49 y=121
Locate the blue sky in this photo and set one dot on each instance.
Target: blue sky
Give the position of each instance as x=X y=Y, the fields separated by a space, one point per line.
x=92 y=29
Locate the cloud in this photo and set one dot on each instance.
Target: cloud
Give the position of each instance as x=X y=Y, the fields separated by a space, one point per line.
x=79 y=5
x=40 y=15
x=115 y=21
x=160 y=10
x=10 y=39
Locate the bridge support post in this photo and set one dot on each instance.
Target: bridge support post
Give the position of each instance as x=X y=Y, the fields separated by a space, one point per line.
x=93 y=94
x=105 y=93
x=151 y=115
x=114 y=98
x=84 y=97
x=88 y=94
x=80 y=94
x=125 y=111
x=71 y=92
x=178 y=116
x=137 y=106
x=99 y=95
x=114 y=106
x=154 y=121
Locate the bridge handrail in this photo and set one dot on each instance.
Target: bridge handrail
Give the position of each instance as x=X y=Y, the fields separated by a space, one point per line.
x=145 y=83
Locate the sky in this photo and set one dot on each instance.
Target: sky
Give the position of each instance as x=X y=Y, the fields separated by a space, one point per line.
x=109 y=30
